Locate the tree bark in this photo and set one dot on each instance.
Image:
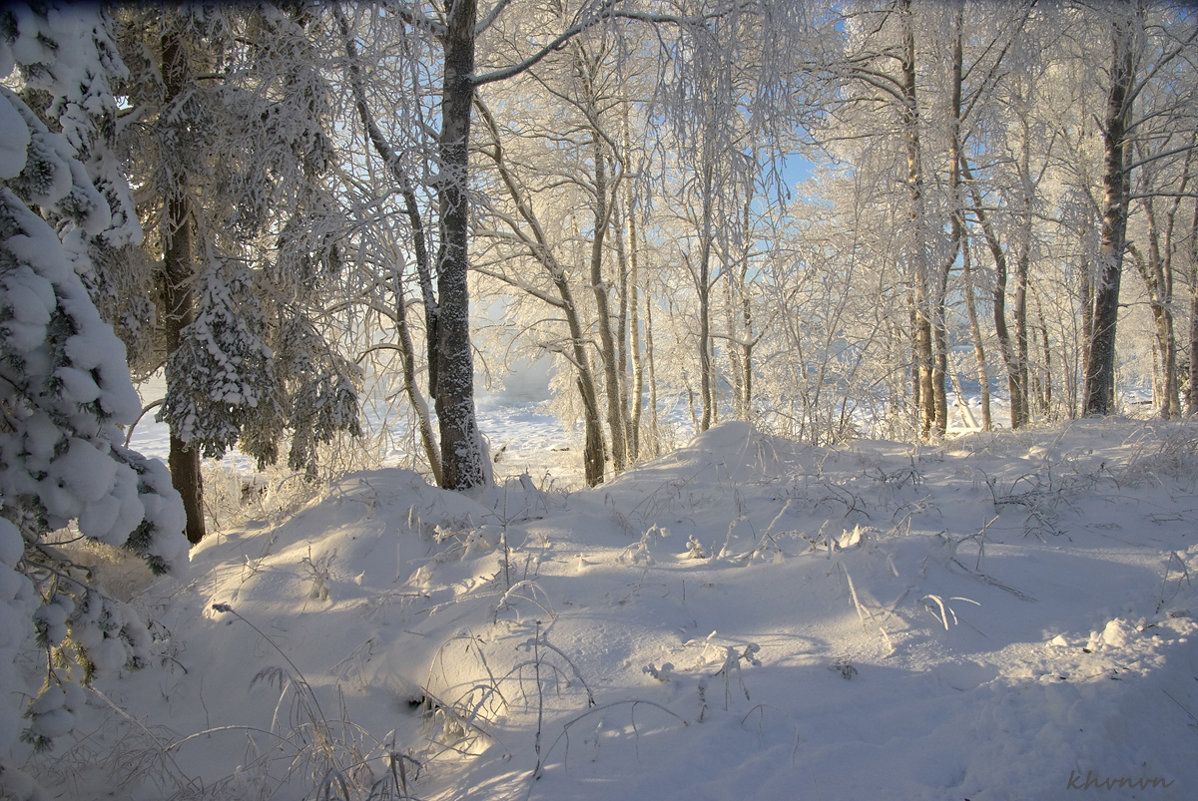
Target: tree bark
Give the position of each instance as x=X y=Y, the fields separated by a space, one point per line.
x=740 y=320
x=593 y=453
x=1099 y=394
x=925 y=372
x=607 y=345
x=634 y=326
x=183 y=459
x=1157 y=271
x=1045 y=380
x=1085 y=302
x=461 y=443
x=632 y=301
x=701 y=273
x=621 y=328
x=956 y=232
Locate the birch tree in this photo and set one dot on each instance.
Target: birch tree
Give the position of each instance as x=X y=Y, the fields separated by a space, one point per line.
x=1120 y=78
x=460 y=33
x=1163 y=152
x=524 y=227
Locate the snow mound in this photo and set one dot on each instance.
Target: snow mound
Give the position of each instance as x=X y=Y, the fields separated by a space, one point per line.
x=1001 y=617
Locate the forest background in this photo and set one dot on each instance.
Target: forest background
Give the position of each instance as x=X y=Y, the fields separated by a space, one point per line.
x=316 y=222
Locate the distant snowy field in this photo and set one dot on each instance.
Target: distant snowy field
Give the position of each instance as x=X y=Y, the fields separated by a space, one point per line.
x=521 y=435
x=1005 y=616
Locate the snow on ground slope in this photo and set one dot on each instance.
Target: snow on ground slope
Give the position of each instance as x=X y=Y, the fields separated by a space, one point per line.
x=1007 y=616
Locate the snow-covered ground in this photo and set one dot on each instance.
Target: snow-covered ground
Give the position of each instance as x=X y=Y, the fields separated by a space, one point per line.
x=1006 y=616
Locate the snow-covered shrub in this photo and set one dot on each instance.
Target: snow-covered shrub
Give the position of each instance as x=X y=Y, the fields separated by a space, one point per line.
x=64 y=391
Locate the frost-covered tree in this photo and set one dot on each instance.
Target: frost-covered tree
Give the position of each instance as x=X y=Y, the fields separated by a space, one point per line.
x=1163 y=155
x=228 y=145
x=64 y=385
x=628 y=139
x=455 y=58
x=549 y=227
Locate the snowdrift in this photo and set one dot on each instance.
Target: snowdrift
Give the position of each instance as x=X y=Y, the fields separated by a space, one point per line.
x=1003 y=616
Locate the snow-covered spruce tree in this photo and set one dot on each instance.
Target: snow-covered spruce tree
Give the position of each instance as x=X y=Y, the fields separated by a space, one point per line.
x=228 y=145
x=64 y=391
x=75 y=96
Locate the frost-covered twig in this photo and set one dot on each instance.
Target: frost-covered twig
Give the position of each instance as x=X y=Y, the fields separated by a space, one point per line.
x=516 y=591
x=944 y=609
x=565 y=733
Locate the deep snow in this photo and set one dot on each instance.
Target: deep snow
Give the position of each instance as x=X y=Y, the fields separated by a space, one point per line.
x=1005 y=616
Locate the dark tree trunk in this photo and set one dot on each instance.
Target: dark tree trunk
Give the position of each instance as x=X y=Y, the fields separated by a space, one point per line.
x=461 y=445
x=1100 y=367
x=183 y=459
x=592 y=455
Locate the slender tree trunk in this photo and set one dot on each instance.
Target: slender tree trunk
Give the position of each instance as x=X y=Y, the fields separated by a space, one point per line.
x=419 y=251
x=1157 y=271
x=538 y=245
x=939 y=369
x=701 y=273
x=922 y=300
x=408 y=365
x=654 y=427
x=461 y=443
x=746 y=359
x=1015 y=386
x=593 y=454
x=1046 y=370
x=636 y=401
x=742 y=339
x=1022 y=269
x=1193 y=398
x=1168 y=276
x=1099 y=397
x=1085 y=301
x=1019 y=313
x=178 y=268
x=956 y=232
x=1164 y=384
x=956 y=235
x=634 y=326
x=916 y=371
x=735 y=372
x=705 y=366
x=975 y=330
x=607 y=345
x=623 y=292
